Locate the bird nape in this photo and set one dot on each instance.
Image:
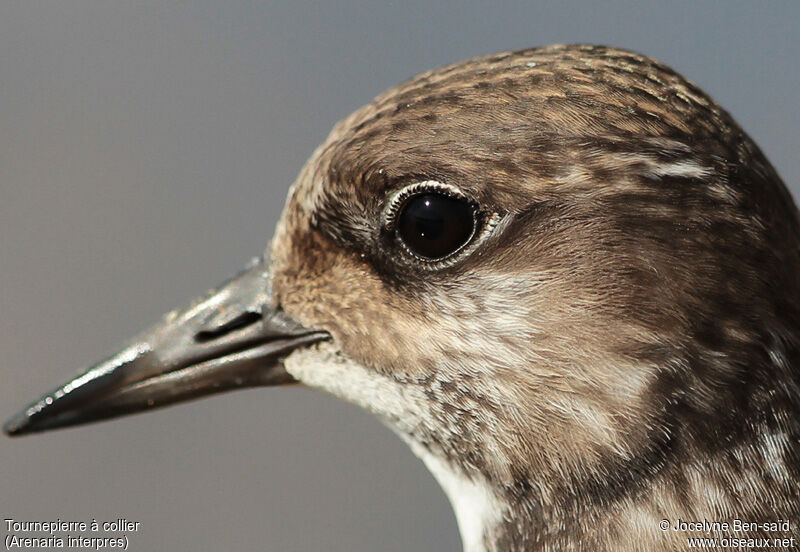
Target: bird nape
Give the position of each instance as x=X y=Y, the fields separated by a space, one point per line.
x=604 y=267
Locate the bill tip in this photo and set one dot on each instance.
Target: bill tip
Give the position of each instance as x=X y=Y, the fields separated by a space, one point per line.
x=16 y=425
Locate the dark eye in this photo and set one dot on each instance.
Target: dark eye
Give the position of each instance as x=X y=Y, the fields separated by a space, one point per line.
x=434 y=225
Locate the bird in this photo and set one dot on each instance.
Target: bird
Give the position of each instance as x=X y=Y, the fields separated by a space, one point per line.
x=564 y=276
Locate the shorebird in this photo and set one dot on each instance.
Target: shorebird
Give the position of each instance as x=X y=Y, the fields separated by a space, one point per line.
x=564 y=276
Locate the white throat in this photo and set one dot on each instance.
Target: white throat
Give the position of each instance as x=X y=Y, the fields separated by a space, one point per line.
x=477 y=508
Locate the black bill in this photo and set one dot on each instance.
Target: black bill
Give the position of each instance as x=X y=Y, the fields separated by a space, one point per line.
x=231 y=339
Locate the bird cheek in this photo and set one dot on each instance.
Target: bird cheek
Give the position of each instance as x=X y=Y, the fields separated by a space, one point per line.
x=325 y=287
x=300 y=260
x=347 y=302
x=310 y=287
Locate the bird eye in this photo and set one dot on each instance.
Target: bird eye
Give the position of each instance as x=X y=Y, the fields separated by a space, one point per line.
x=435 y=225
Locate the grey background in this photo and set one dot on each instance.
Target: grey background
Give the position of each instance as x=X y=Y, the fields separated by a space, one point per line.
x=145 y=152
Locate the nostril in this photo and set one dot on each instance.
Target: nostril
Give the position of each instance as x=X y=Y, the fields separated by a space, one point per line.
x=237 y=323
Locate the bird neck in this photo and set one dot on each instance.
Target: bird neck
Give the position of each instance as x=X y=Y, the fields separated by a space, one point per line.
x=479 y=510
x=498 y=518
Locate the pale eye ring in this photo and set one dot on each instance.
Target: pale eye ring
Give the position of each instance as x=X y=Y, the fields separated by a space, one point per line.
x=432 y=221
x=435 y=225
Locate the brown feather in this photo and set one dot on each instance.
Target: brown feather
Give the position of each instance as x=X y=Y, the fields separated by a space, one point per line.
x=624 y=346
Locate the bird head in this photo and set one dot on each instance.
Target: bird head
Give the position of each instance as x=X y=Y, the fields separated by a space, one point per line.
x=561 y=275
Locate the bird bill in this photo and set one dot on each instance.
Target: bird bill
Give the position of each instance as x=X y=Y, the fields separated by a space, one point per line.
x=232 y=338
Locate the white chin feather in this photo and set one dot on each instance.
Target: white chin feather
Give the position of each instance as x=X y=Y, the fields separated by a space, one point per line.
x=322 y=366
x=404 y=408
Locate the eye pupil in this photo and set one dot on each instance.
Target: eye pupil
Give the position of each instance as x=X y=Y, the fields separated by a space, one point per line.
x=435 y=225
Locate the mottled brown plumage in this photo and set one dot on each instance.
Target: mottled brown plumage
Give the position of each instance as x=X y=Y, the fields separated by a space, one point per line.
x=610 y=339
x=622 y=344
